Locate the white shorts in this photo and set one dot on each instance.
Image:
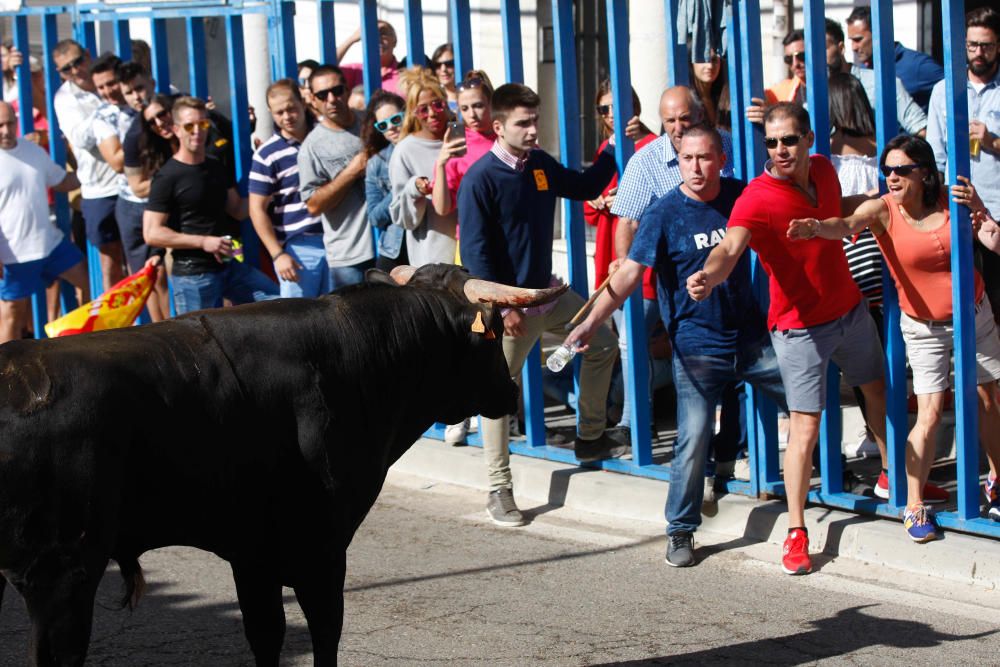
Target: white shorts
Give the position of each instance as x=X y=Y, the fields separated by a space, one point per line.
x=929 y=346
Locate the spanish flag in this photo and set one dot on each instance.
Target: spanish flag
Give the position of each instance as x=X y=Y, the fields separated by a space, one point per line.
x=116 y=308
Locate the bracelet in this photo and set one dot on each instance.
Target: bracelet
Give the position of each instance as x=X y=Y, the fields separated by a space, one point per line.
x=275 y=257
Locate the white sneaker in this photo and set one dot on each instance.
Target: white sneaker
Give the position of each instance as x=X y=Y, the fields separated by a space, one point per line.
x=709 y=498
x=454 y=434
x=741 y=470
x=862 y=449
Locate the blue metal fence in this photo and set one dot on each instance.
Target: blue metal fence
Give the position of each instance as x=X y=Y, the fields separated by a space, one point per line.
x=746 y=82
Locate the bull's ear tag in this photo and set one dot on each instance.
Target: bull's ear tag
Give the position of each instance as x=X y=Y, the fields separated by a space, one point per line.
x=477 y=325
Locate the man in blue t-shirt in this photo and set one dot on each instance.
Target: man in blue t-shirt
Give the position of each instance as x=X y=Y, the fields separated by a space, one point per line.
x=715 y=342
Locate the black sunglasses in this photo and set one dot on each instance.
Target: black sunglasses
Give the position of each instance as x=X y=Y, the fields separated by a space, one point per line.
x=798 y=55
x=605 y=109
x=337 y=91
x=901 y=169
x=395 y=120
x=787 y=140
x=73 y=64
x=450 y=64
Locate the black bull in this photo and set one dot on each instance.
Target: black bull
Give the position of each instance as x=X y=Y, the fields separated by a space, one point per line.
x=261 y=433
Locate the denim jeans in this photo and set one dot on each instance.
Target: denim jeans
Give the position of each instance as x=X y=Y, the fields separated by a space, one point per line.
x=238 y=282
x=314 y=276
x=342 y=276
x=650 y=316
x=700 y=381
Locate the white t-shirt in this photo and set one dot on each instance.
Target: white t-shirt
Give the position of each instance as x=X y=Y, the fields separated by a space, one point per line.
x=76 y=109
x=26 y=233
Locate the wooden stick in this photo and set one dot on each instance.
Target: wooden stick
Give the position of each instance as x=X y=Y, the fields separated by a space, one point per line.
x=590 y=302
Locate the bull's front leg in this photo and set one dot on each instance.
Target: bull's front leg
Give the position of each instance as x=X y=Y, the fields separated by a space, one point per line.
x=320 y=593
x=259 y=594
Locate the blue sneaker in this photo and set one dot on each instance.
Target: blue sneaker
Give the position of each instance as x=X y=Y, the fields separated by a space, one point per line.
x=919 y=524
x=993 y=496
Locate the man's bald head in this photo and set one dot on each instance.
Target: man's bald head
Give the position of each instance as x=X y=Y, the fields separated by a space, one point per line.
x=8 y=126
x=680 y=108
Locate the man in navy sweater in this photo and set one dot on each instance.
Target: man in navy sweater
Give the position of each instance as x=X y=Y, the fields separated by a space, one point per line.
x=506 y=207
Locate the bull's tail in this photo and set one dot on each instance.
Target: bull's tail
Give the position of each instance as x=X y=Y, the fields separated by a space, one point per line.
x=135 y=583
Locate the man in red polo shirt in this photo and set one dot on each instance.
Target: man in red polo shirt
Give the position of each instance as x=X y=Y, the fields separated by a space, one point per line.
x=816 y=315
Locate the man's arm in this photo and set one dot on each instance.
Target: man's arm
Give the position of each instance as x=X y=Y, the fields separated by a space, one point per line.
x=156 y=233
x=329 y=195
x=873 y=213
x=583 y=185
x=937 y=130
x=624 y=233
x=67 y=184
x=912 y=118
x=139 y=185
x=113 y=153
x=720 y=263
x=624 y=282
x=284 y=264
x=236 y=204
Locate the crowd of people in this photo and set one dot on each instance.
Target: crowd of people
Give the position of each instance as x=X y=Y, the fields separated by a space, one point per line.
x=441 y=167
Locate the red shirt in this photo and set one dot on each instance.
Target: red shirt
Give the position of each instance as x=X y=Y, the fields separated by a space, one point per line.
x=810 y=282
x=604 y=250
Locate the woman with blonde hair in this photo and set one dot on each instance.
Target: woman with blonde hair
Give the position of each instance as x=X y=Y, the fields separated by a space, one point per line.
x=430 y=237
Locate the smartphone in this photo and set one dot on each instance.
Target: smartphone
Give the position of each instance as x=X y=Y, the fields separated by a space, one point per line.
x=456 y=130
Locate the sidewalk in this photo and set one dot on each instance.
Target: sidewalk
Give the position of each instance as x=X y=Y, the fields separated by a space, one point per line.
x=957 y=557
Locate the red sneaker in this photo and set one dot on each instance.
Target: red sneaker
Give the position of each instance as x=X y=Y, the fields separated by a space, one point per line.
x=795 y=553
x=933 y=494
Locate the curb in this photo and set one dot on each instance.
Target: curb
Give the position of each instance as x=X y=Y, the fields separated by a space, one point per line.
x=959 y=558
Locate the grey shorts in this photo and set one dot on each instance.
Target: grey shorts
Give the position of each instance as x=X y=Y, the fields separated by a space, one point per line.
x=929 y=346
x=851 y=341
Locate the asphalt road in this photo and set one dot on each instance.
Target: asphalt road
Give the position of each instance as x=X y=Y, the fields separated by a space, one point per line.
x=430 y=582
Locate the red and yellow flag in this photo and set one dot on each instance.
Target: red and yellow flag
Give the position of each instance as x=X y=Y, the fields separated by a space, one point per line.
x=116 y=308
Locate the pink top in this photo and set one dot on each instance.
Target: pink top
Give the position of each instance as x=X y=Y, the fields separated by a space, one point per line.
x=354 y=73
x=477 y=145
x=920 y=263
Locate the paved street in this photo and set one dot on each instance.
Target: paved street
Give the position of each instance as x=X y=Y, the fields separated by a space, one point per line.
x=430 y=582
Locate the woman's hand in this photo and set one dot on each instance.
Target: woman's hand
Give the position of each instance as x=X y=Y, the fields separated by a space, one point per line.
x=966 y=195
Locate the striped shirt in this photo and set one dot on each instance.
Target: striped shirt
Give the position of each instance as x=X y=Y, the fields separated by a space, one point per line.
x=274 y=173
x=864 y=259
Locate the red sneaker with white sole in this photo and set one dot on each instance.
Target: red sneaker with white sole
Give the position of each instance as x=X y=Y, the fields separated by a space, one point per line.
x=933 y=494
x=795 y=553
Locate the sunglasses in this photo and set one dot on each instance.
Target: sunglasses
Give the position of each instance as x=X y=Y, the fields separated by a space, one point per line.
x=73 y=64
x=450 y=64
x=303 y=82
x=471 y=82
x=336 y=91
x=424 y=110
x=901 y=169
x=395 y=120
x=798 y=55
x=200 y=124
x=787 y=140
x=164 y=115
x=605 y=109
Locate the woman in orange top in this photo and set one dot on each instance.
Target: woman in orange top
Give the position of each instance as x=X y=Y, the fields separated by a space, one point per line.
x=913 y=229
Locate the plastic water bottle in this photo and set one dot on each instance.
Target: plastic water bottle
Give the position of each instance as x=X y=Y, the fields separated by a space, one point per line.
x=558 y=359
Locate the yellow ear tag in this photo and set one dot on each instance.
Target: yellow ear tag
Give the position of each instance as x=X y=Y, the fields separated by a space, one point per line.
x=477 y=325
x=541 y=182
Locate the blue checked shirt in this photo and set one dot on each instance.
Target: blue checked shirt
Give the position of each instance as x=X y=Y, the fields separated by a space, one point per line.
x=653 y=172
x=984 y=106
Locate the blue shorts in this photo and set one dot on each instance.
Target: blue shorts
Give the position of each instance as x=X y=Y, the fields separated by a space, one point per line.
x=22 y=280
x=99 y=219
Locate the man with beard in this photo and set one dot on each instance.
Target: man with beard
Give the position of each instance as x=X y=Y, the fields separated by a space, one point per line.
x=982 y=34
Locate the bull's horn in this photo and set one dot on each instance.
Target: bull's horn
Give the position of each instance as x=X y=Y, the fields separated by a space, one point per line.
x=402 y=273
x=484 y=291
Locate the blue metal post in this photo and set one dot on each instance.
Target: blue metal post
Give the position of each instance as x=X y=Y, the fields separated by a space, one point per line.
x=26 y=123
x=370 y=46
x=196 y=56
x=86 y=35
x=57 y=149
x=242 y=148
x=510 y=19
x=966 y=417
x=886 y=127
x=637 y=369
x=677 y=58
x=735 y=71
x=285 y=34
x=461 y=29
x=415 y=34
x=816 y=75
x=123 y=40
x=831 y=435
x=327 y=32
x=160 y=56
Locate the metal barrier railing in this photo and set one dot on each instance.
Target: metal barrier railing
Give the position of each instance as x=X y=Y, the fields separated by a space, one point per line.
x=746 y=82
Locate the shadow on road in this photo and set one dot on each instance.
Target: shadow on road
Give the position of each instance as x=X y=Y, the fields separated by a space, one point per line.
x=847 y=632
